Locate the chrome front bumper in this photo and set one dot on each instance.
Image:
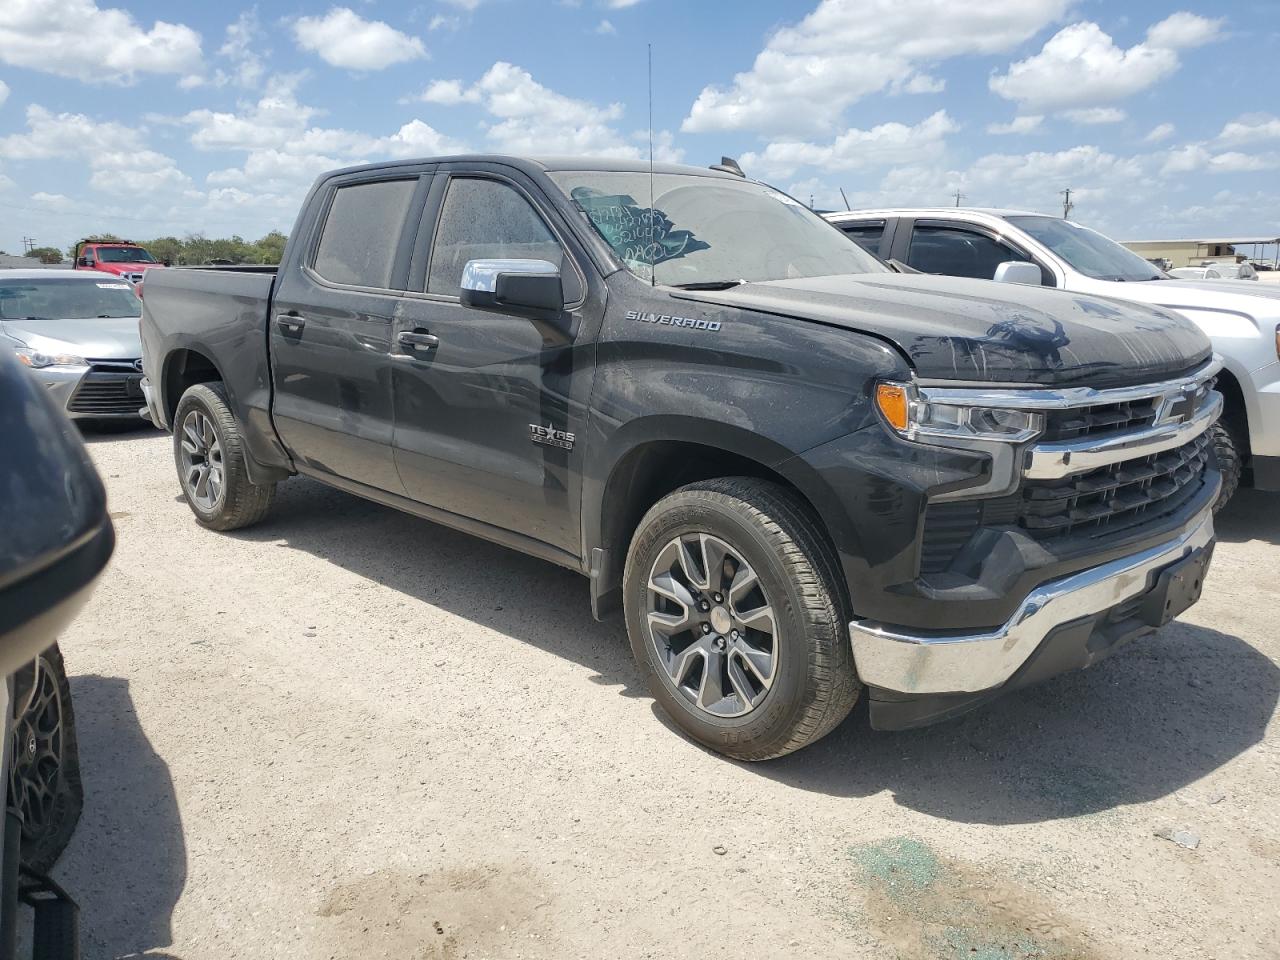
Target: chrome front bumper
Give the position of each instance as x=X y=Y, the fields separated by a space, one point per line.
x=910 y=663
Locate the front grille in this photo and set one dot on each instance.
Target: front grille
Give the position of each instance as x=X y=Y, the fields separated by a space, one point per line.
x=1078 y=422
x=108 y=392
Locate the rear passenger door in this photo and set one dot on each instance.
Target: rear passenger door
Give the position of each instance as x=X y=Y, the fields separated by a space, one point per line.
x=956 y=249
x=331 y=325
x=488 y=411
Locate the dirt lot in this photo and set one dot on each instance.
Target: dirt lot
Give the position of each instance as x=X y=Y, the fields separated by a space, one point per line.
x=351 y=733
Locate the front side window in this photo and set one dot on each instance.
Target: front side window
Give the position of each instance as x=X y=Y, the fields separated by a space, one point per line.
x=681 y=229
x=485 y=220
x=362 y=231
x=958 y=253
x=866 y=235
x=1087 y=251
x=67 y=299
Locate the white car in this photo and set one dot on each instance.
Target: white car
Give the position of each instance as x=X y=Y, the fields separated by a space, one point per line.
x=1242 y=320
x=1215 y=271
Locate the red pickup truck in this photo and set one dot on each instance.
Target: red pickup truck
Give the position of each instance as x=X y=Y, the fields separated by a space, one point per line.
x=124 y=258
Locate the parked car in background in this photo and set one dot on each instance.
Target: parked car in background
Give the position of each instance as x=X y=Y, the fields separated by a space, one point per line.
x=78 y=333
x=1196 y=273
x=1216 y=270
x=1242 y=320
x=801 y=475
x=123 y=258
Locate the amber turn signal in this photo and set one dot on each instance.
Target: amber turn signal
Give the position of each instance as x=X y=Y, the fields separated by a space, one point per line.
x=891 y=398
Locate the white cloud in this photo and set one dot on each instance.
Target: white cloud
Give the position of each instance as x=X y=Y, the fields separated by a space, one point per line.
x=808 y=73
x=4 y=92
x=1250 y=129
x=76 y=38
x=468 y=5
x=604 y=27
x=918 y=83
x=620 y=4
x=1095 y=115
x=57 y=201
x=1160 y=133
x=118 y=157
x=888 y=143
x=342 y=38
x=247 y=69
x=1027 y=124
x=449 y=93
x=1081 y=66
x=442 y=22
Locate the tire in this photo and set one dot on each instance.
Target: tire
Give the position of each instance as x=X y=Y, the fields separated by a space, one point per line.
x=1230 y=461
x=762 y=527
x=44 y=768
x=204 y=424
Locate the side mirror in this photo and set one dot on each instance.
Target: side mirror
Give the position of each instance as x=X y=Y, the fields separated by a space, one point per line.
x=526 y=288
x=1019 y=271
x=85 y=261
x=167 y=262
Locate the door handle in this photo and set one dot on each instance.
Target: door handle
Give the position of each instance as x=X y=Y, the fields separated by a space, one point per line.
x=418 y=341
x=291 y=323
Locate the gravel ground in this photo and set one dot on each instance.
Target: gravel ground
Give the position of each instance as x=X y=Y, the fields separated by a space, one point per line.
x=351 y=733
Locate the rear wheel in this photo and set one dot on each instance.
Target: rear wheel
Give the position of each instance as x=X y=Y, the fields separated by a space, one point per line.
x=209 y=453
x=1227 y=446
x=736 y=617
x=44 y=769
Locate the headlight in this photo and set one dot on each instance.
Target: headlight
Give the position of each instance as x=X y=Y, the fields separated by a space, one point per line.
x=34 y=358
x=912 y=416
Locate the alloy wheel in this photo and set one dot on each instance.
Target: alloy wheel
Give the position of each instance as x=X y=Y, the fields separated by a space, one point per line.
x=712 y=625
x=36 y=747
x=202 y=468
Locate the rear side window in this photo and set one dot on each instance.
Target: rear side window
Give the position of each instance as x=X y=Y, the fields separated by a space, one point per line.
x=958 y=253
x=866 y=235
x=358 y=245
x=482 y=220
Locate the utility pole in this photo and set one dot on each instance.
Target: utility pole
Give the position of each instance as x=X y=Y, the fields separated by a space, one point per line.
x=28 y=244
x=1067 y=205
x=960 y=196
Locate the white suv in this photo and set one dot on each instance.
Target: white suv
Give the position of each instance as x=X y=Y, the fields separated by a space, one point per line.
x=1242 y=320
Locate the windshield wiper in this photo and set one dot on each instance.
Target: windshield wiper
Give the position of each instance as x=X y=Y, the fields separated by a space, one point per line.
x=708 y=285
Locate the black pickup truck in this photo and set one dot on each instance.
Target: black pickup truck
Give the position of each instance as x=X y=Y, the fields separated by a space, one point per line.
x=800 y=474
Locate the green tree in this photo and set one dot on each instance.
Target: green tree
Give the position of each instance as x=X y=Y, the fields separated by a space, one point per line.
x=46 y=254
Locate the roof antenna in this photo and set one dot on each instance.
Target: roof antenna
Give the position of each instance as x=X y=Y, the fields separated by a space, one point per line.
x=653 y=278
x=729 y=165
x=845 y=199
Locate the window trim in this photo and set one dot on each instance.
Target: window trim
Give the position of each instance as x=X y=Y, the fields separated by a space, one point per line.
x=982 y=230
x=448 y=175
x=885 y=233
x=421 y=180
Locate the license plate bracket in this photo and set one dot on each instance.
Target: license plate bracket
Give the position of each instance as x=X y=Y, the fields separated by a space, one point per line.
x=1177 y=587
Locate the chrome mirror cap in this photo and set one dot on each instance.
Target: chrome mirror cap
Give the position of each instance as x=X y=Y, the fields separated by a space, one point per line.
x=481 y=276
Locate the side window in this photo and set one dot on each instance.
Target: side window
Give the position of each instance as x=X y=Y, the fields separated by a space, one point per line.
x=866 y=235
x=482 y=220
x=957 y=253
x=358 y=245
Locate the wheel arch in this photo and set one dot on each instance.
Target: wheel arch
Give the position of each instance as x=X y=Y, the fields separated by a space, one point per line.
x=648 y=460
x=184 y=368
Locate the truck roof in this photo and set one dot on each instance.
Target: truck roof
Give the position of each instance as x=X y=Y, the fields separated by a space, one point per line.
x=946 y=212
x=544 y=164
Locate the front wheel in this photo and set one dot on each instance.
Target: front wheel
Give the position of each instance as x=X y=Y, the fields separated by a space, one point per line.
x=209 y=453
x=1228 y=448
x=737 y=618
x=44 y=766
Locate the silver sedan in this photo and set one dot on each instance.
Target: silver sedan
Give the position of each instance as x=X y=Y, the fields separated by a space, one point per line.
x=78 y=332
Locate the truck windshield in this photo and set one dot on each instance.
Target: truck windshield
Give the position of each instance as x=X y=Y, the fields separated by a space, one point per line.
x=67 y=299
x=124 y=255
x=710 y=230
x=1088 y=251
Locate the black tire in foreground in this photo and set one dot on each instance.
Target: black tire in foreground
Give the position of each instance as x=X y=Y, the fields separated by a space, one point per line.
x=209 y=453
x=44 y=766
x=1227 y=446
x=737 y=618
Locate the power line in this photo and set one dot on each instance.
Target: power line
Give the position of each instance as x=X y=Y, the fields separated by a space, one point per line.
x=960 y=196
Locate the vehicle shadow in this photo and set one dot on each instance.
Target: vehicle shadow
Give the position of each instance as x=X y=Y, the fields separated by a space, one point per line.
x=1160 y=715
x=1250 y=515
x=105 y=431
x=1156 y=717
x=126 y=864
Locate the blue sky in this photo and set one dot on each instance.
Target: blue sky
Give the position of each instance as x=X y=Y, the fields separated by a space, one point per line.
x=147 y=118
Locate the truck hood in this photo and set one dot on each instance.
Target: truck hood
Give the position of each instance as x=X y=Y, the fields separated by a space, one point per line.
x=959 y=329
x=104 y=338
x=1240 y=296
